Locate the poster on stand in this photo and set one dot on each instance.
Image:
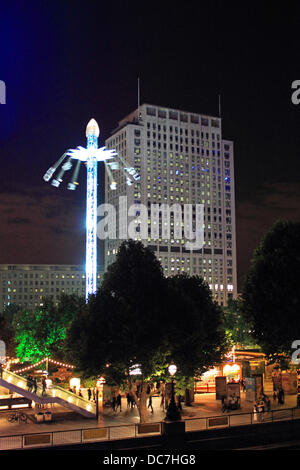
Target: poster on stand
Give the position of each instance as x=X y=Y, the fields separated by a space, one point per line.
x=220 y=387
x=233 y=390
x=250 y=388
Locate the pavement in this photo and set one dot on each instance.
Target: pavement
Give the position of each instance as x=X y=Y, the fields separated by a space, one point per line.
x=205 y=405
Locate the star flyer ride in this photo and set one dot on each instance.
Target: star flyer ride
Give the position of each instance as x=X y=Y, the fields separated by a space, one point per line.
x=91 y=155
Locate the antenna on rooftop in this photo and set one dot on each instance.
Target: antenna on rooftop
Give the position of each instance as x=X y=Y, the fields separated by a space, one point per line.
x=138 y=93
x=220 y=115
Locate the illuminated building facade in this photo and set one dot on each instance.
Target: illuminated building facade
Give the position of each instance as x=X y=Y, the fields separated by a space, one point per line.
x=182 y=159
x=29 y=285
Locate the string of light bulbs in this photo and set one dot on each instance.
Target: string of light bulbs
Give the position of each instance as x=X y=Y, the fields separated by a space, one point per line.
x=52 y=361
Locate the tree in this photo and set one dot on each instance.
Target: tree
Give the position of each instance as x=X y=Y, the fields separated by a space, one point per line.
x=120 y=326
x=9 y=313
x=6 y=327
x=271 y=295
x=237 y=328
x=7 y=335
x=195 y=331
x=139 y=318
x=41 y=332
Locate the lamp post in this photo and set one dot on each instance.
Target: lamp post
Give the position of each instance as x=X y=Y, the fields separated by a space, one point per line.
x=173 y=413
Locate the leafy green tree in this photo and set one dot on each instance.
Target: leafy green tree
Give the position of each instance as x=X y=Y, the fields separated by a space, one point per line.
x=141 y=318
x=237 y=328
x=271 y=295
x=42 y=331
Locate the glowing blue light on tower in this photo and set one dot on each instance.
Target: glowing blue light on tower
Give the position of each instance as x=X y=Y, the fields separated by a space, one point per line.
x=92 y=134
x=91 y=155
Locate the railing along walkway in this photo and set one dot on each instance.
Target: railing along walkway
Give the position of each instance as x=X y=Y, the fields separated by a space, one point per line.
x=109 y=433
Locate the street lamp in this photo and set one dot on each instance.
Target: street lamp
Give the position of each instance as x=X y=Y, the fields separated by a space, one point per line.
x=173 y=413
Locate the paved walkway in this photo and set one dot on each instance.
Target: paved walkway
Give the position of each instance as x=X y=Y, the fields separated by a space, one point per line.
x=205 y=405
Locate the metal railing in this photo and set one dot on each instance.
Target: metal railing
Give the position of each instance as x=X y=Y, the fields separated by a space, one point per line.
x=241 y=419
x=127 y=431
x=78 y=436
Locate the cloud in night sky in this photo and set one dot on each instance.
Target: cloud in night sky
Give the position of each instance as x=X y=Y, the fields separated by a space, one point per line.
x=40 y=226
x=256 y=215
x=47 y=226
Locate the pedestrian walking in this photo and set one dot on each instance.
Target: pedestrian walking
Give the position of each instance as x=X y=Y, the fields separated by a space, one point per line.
x=119 y=403
x=162 y=395
x=34 y=382
x=150 y=403
x=114 y=403
x=29 y=383
x=44 y=385
x=89 y=393
x=282 y=396
x=179 y=400
x=128 y=400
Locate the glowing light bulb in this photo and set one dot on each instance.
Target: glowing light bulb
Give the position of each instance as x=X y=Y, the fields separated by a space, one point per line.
x=92 y=128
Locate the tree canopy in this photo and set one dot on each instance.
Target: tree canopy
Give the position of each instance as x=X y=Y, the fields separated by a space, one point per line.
x=195 y=331
x=237 y=328
x=141 y=318
x=271 y=295
x=41 y=332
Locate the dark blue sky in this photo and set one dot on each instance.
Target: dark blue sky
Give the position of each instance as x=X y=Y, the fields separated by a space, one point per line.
x=66 y=61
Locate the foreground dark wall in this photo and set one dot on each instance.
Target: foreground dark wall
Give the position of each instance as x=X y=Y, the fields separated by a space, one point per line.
x=286 y=433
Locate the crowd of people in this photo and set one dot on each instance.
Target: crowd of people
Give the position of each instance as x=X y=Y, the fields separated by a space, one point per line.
x=91 y=394
x=32 y=385
x=264 y=404
x=116 y=403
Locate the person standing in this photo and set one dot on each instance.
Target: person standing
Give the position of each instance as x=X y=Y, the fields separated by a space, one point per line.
x=260 y=410
x=255 y=410
x=89 y=393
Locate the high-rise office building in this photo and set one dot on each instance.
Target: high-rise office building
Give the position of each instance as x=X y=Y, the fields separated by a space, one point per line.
x=29 y=285
x=182 y=160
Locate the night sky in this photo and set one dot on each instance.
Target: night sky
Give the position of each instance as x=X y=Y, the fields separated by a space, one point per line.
x=64 y=62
